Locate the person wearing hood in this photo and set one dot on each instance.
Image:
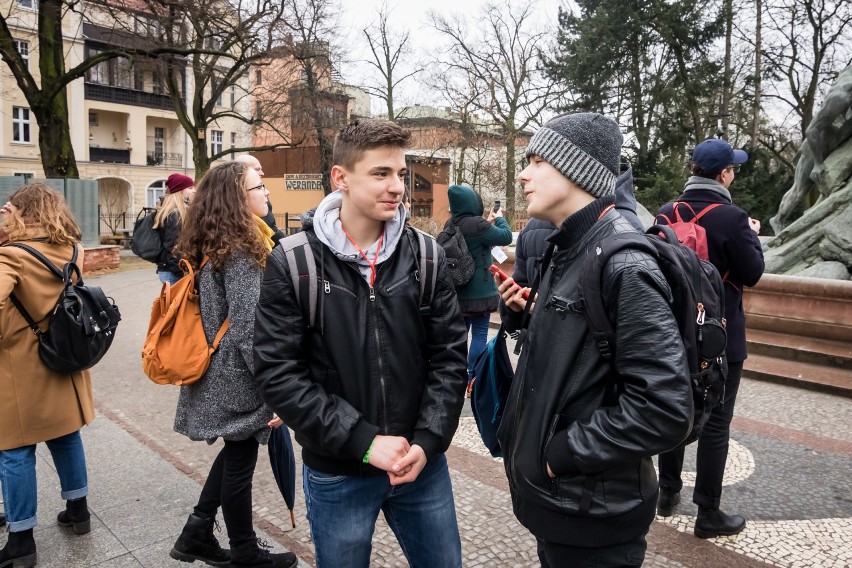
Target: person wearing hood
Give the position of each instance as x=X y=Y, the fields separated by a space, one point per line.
x=373 y=389
x=478 y=298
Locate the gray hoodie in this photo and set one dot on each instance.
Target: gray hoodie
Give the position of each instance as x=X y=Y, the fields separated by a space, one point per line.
x=329 y=231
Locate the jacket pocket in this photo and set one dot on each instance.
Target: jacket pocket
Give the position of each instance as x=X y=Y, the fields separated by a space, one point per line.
x=558 y=423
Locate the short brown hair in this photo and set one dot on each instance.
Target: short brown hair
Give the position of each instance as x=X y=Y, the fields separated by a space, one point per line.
x=362 y=135
x=38 y=207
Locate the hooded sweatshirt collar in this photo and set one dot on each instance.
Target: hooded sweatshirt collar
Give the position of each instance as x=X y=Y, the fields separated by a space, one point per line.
x=329 y=230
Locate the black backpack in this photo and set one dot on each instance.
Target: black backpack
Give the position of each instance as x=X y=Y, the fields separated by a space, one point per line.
x=146 y=243
x=460 y=263
x=82 y=325
x=698 y=307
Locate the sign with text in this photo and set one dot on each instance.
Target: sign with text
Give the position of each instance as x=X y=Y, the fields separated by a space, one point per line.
x=302 y=182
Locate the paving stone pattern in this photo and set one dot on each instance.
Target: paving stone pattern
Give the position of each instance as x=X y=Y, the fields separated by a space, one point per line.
x=788 y=472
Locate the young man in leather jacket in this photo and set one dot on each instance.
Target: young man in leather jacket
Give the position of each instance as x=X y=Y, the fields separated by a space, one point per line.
x=373 y=390
x=578 y=462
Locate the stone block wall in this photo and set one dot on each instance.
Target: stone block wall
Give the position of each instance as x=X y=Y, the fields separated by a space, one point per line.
x=101 y=258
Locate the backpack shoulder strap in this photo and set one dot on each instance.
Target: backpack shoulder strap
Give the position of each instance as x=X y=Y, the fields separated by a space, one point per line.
x=43 y=259
x=427 y=271
x=590 y=287
x=303 y=272
x=50 y=266
x=704 y=211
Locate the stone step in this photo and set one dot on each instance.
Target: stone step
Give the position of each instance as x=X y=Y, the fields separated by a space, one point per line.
x=799 y=374
x=835 y=354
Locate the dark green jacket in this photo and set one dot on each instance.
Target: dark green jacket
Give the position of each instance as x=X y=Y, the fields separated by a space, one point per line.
x=480 y=294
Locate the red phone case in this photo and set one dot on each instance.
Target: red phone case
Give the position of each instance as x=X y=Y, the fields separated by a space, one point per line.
x=496 y=270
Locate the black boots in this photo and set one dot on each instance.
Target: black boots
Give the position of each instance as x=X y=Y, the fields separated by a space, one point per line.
x=713 y=522
x=76 y=515
x=667 y=501
x=20 y=551
x=254 y=554
x=197 y=542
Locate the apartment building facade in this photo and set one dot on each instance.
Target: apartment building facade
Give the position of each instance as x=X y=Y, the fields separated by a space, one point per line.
x=124 y=130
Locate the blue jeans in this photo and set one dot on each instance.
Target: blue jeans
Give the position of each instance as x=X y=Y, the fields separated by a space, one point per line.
x=166 y=276
x=478 y=338
x=18 y=477
x=342 y=512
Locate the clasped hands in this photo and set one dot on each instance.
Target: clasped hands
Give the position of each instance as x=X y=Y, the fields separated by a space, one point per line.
x=402 y=461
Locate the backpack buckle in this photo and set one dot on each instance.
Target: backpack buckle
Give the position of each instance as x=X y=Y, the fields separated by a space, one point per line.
x=604 y=348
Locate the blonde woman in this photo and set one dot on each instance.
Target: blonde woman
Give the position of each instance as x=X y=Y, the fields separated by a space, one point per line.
x=225 y=226
x=168 y=221
x=46 y=406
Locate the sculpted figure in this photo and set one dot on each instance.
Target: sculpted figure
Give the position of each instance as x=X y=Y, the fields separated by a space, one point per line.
x=830 y=128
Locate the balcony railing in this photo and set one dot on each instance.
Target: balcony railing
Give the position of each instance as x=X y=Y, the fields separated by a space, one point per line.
x=110 y=155
x=156 y=155
x=109 y=94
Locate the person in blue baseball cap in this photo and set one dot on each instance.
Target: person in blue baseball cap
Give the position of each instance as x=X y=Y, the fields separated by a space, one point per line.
x=735 y=251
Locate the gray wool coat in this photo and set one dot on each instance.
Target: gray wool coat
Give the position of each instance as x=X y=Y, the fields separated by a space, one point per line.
x=225 y=402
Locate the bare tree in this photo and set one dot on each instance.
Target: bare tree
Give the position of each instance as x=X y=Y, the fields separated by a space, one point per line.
x=47 y=97
x=389 y=51
x=310 y=26
x=503 y=62
x=755 y=117
x=807 y=43
x=217 y=43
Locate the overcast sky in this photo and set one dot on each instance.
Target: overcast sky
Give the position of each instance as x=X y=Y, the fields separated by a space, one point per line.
x=413 y=15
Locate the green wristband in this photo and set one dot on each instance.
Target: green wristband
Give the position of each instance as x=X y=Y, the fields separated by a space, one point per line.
x=366 y=458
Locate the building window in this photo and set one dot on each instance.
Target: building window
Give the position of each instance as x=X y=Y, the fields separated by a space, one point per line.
x=26 y=175
x=233 y=143
x=93 y=118
x=258 y=77
x=21 y=125
x=233 y=97
x=258 y=111
x=217 y=138
x=422 y=184
x=421 y=210
x=23 y=48
x=27 y=4
x=155 y=193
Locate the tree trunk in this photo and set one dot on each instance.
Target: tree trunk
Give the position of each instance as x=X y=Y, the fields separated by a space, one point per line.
x=755 y=119
x=726 y=79
x=51 y=112
x=510 y=174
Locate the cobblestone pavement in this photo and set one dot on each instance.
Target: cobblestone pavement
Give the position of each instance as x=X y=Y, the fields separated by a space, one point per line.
x=788 y=472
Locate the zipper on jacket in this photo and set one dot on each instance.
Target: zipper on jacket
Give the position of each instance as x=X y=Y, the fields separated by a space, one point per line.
x=326 y=286
x=372 y=294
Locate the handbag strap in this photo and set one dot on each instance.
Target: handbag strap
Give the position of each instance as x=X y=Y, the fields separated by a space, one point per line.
x=50 y=266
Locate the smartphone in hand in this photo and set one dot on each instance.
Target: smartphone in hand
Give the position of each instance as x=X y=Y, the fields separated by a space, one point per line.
x=496 y=206
x=495 y=270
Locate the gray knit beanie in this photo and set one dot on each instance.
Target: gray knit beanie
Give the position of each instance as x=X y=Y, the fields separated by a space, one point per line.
x=585 y=147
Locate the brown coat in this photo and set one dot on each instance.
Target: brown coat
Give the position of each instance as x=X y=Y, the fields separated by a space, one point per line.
x=36 y=404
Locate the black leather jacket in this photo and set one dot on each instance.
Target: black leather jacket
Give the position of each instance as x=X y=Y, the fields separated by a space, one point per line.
x=368 y=367
x=169 y=261
x=605 y=489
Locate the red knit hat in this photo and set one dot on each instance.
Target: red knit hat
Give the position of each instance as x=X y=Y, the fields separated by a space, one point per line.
x=178 y=182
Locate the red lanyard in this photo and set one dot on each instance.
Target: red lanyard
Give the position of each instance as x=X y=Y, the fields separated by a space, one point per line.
x=364 y=255
x=605 y=211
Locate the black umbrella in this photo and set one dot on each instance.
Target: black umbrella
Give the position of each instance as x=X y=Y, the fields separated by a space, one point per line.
x=284 y=466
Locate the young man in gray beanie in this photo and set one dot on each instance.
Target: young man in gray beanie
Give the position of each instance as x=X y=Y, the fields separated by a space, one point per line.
x=578 y=452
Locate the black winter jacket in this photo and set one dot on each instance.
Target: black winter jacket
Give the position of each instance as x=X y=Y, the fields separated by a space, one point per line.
x=734 y=250
x=368 y=367
x=605 y=490
x=169 y=233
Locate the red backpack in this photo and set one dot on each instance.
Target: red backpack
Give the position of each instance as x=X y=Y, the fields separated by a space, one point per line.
x=690 y=233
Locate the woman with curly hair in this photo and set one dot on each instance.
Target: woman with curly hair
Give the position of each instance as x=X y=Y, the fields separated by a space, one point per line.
x=225 y=239
x=168 y=222
x=46 y=406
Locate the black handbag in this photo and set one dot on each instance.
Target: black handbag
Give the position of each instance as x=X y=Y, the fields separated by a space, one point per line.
x=82 y=325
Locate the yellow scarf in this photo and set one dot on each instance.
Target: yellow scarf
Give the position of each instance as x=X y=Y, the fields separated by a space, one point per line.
x=265 y=232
